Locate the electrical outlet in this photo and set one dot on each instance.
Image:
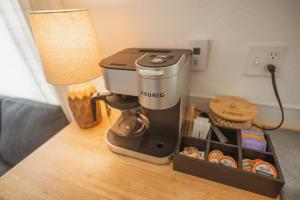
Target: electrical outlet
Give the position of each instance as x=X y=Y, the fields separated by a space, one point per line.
x=199 y=54
x=260 y=56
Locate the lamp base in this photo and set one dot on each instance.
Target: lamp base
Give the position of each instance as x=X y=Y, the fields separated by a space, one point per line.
x=79 y=102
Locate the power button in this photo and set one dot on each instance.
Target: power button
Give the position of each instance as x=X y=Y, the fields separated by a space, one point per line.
x=157 y=60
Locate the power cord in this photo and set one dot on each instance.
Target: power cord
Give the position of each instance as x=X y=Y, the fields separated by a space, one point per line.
x=272 y=68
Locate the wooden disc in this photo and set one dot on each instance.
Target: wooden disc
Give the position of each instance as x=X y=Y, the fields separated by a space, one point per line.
x=218 y=121
x=233 y=108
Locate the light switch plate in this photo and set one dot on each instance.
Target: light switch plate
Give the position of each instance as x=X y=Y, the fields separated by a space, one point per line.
x=199 y=49
x=260 y=56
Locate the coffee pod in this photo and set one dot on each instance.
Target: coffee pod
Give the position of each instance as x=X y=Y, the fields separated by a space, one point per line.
x=190 y=149
x=200 y=155
x=192 y=152
x=215 y=153
x=265 y=168
x=249 y=169
x=257 y=160
x=214 y=159
x=248 y=164
x=228 y=161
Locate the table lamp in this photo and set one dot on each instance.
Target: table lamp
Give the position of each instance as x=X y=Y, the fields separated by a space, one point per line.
x=70 y=54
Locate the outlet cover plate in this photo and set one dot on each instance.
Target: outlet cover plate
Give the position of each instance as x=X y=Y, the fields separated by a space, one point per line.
x=260 y=56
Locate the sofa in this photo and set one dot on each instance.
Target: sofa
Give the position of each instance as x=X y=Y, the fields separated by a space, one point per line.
x=24 y=126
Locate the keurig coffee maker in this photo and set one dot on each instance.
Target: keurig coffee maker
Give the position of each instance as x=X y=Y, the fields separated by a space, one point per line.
x=147 y=103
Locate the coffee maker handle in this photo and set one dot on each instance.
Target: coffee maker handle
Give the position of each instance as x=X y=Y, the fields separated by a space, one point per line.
x=97 y=97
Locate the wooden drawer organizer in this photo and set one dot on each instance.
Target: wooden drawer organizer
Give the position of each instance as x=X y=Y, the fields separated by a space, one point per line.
x=235 y=177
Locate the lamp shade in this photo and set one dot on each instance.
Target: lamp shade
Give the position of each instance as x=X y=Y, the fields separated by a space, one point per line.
x=67 y=45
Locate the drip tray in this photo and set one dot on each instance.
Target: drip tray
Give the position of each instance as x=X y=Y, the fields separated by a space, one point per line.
x=158 y=147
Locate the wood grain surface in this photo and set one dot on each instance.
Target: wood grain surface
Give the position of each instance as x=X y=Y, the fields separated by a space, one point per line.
x=233 y=108
x=76 y=164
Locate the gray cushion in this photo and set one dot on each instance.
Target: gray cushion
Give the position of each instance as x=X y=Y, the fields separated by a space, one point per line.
x=26 y=125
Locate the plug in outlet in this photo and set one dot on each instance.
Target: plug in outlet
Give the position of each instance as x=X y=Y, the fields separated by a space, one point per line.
x=199 y=54
x=260 y=56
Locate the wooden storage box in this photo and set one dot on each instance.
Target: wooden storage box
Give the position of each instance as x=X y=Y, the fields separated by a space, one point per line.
x=235 y=177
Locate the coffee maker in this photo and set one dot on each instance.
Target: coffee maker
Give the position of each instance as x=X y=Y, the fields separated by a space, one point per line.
x=147 y=101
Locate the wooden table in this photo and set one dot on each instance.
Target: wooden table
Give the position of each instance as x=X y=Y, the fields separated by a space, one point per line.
x=76 y=164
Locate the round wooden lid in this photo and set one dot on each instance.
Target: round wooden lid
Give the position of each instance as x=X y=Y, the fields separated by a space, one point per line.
x=233 y=108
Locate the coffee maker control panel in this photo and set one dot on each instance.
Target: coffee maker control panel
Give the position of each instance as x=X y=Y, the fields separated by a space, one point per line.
x=156 y=60
x=161 y=58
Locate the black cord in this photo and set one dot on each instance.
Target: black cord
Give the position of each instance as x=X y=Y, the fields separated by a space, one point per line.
x=271 y=69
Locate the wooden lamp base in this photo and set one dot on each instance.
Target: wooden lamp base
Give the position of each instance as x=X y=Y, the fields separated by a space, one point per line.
x=80 y=105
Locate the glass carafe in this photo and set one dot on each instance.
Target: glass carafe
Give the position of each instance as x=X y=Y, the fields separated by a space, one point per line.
x=126 y=117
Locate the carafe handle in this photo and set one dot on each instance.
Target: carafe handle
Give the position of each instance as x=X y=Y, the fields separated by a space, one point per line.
x=97 y=97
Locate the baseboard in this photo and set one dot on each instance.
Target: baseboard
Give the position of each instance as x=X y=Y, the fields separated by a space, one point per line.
x=268 y=114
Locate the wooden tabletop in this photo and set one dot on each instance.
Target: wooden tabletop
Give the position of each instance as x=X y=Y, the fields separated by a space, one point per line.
x=76 y=164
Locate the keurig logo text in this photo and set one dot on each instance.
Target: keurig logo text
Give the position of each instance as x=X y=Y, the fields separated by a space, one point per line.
x=154 y=95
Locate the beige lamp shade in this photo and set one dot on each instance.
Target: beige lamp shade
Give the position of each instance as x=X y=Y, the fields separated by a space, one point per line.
x=67 y=44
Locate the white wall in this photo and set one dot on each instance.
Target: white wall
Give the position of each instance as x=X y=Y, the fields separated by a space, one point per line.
x=231 y=25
